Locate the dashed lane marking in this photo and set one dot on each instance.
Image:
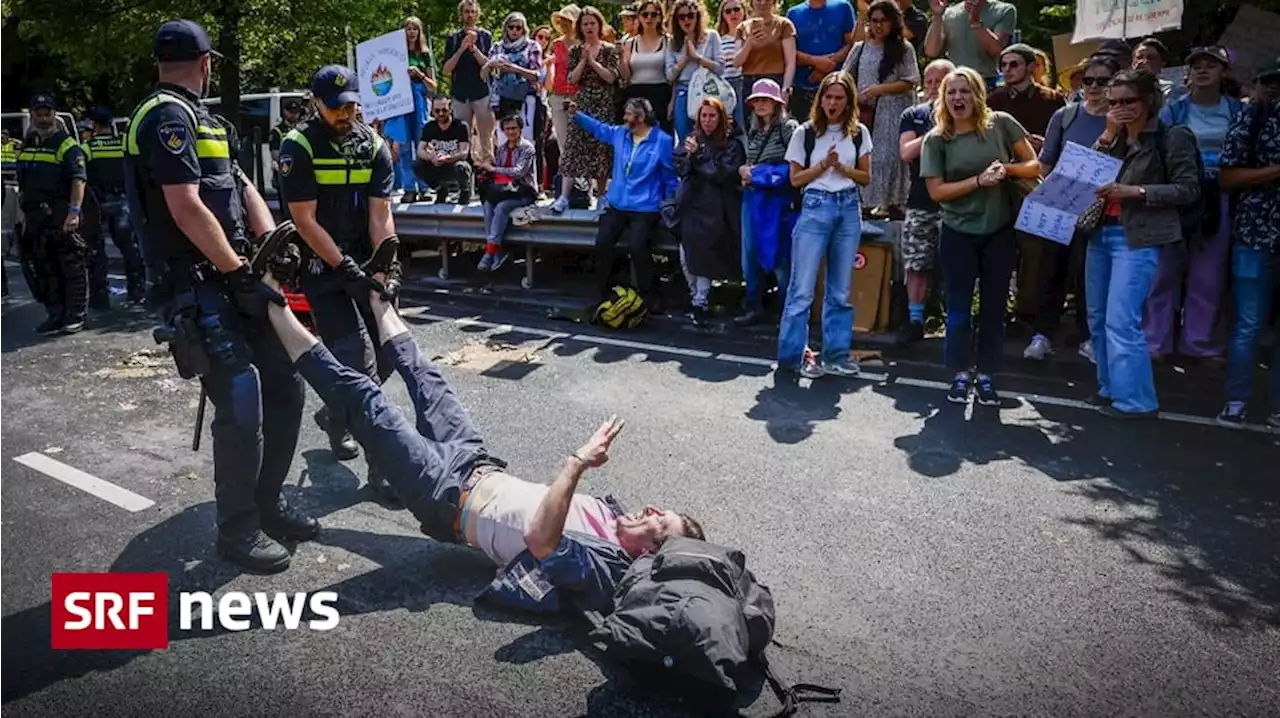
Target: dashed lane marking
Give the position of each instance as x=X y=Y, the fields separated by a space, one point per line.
x=87 y=483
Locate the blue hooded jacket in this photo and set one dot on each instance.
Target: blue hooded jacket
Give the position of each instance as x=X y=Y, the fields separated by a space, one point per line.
x=770 y=214
x=643 y=174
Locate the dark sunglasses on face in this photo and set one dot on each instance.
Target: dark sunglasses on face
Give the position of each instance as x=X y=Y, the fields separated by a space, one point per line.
x=1010 y=63
x=650 y=15
x=440 y=113
x=686 y=16
x=515 y=27
x=1122 y=101
x=1088 y=81
x=732 y=10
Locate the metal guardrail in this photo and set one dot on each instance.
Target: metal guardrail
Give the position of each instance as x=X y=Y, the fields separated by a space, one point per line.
x=445 y=224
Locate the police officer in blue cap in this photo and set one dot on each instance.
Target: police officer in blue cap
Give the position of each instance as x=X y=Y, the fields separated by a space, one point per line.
x=51 y=183
x=105 y=151
x=336 y=175
x=191 y=206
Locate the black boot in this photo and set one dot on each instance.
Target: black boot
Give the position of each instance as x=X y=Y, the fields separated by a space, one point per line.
x=379 y=484
x=286 y=523
x=51 y=325
x=341 y=444
x=254 y=551
x=100 y=301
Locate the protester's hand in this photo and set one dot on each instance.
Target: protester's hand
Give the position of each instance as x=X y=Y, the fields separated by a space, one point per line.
x=1120 y=115
x=832 y=159
x=870 y=93
x=690 y=144
x=1115 y=191
x=937 y=6
x=354 y=279
x=690 y=52
x=745 y=173
x=250 y=296
x=71 y=223
x=571 y=108
x=595 y=452
x=824 y=65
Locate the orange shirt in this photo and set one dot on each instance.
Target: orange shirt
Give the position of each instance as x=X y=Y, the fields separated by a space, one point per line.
x=766 y=59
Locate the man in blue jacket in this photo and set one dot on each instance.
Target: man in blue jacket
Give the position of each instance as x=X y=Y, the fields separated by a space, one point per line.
x=557 y=548
x=643 y=176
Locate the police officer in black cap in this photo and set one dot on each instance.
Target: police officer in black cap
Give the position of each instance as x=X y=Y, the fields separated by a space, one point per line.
x=105 y=151
x=51 y=183
x=336 y=174
x=292 y=111
x=190 y=204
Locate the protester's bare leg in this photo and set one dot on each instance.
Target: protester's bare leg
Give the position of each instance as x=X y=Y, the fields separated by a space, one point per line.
x=295 y=337
x=390 y=325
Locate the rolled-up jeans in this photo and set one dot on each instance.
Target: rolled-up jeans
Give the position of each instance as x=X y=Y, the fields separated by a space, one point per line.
x=1255 y=276
x=830 y=227
x=426 y=464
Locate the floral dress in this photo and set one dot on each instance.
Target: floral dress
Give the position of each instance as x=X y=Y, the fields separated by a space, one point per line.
x=890 y=177
x=583 y=156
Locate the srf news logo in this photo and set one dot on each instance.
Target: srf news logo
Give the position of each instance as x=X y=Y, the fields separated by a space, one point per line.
x=130 y=611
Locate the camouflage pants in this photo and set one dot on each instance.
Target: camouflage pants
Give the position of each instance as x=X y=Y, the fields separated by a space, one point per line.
x=920 y=239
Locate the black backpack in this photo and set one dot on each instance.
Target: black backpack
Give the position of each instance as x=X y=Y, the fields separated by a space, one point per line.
x=1192 y=215
x=811 y=140
x=693 y=620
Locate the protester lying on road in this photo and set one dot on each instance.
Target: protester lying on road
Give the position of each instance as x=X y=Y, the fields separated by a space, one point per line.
x=557 y=547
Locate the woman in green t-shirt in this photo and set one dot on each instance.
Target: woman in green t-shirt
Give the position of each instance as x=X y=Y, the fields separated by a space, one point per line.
x=967 y=162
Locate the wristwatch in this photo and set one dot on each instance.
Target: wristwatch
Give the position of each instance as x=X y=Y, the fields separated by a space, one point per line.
x=1142 y=191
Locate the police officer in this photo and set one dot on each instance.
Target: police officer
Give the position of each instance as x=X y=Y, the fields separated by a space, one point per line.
x=8 y=151
x=186 y=195
x=51 y=182
x=292 y=111
x=105 y=151
x=336 y=175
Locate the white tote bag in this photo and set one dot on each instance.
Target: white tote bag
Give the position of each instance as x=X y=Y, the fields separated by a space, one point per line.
x=705 y=83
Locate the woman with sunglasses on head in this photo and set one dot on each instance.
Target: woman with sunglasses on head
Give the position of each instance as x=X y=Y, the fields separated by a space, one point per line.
x=514 y=73
x=693 y=46
x=644 y=62
x=1138 y=218
x=885 y=68
x=1199 y=264
x=967 y=161
x=768 y=49
x=732 y=13
x=1081 y=123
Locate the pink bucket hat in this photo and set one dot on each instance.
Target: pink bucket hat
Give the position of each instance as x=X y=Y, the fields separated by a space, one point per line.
x=766 y=90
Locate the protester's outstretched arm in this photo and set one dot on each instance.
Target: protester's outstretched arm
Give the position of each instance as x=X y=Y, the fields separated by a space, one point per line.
x=295 y=337
x=544 y=532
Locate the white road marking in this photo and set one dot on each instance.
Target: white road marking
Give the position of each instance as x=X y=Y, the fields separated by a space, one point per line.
x=874 y=377
x=87 y=483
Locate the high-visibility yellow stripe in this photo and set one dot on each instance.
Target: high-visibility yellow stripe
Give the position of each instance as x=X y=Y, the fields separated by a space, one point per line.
x=329 y=161
x=213 y=149
x=301 y=139
x=343 y=177
x=102 y=154
x=131 y=145
x=38 y=156
x=217 y=131
x=67 y=145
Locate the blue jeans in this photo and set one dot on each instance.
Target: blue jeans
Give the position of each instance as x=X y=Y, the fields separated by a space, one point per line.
x=684 y=125
x=988 y=260
x=497 y=215
x=751 y=269
x=426 y=463
x=1117 y=282
x=830 y=226
x=1255 y=274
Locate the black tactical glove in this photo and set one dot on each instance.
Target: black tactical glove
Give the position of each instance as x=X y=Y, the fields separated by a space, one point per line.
x=249 y=294
x=384 y=261
x=355 y=281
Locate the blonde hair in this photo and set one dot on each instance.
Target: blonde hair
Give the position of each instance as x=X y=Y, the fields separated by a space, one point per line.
x=944 y=124
x=849 y=122
x=1042 y=68
x=421 y=46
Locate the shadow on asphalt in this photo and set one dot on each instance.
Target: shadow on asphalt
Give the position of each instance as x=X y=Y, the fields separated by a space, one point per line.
x=20 y=320
x=1201 y=515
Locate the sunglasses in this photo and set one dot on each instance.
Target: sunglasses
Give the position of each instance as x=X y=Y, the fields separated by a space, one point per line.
x=686 y=16
x=732 y=10
x=1011 y=63
x=650 y=14
x=1122 y=101
x=1088 y=81
x=440 y=113
x=515 y=27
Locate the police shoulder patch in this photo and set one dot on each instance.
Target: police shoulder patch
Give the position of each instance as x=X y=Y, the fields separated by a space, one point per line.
x=286 y=164
x=174 y=136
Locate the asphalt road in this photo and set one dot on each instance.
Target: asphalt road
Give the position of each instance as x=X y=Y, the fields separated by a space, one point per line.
x=929 y=559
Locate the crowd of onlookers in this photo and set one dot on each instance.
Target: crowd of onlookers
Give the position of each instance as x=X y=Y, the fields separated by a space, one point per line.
x=689 y=121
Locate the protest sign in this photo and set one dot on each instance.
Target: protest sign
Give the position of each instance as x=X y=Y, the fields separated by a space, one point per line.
x=1052 y=209
x=383 y=67
x=1107 y=19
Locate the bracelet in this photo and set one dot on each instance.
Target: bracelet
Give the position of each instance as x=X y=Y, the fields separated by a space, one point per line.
x=579 y=458
x=74 y=209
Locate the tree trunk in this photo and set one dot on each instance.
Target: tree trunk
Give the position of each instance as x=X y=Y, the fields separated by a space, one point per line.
x=229 y=67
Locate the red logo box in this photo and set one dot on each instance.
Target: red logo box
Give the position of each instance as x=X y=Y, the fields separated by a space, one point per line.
x=110 y=611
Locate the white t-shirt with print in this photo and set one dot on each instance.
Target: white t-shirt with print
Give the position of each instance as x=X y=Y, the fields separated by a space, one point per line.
x=848 y=148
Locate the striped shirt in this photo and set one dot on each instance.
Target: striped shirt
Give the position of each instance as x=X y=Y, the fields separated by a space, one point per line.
x=728 y=49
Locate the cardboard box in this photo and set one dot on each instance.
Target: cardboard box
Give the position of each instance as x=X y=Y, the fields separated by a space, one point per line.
x=872 y=280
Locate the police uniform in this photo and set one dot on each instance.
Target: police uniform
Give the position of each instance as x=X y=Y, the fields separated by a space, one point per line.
x=53 y=261
x=341 y=175
x=105 y=152
x=257 y=396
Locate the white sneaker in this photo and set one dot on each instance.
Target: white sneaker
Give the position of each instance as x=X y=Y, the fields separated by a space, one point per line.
x=1038 y=349
x=560 y=205
x=1086 y=351
x=524 y=216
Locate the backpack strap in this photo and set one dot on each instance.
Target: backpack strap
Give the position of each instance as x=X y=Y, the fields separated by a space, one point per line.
x=810 y=139
x=790 y=696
